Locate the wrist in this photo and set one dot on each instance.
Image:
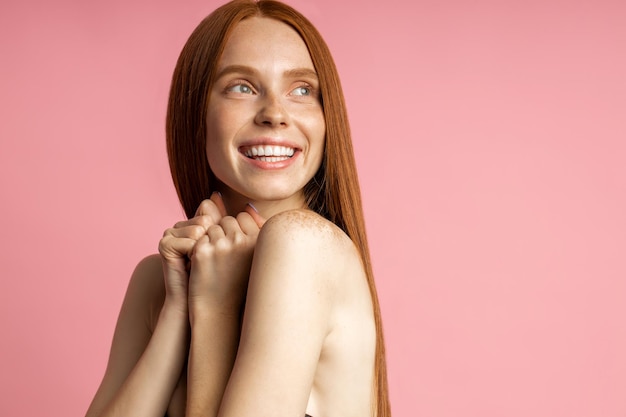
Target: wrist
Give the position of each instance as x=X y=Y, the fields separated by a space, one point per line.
x=207 y=312
x=175 y=306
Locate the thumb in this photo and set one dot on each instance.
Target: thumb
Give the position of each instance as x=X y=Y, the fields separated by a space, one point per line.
x=254 y=213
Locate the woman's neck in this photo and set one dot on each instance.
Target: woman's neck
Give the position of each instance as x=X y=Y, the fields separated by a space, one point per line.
x=236 y=203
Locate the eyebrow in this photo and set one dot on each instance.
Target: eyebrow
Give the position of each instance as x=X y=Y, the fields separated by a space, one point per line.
x=243 y=69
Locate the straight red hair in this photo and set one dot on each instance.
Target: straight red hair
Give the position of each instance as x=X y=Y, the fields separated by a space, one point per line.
x=333 y=192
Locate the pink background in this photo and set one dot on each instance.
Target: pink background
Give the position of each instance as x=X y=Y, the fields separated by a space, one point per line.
x=490 y=138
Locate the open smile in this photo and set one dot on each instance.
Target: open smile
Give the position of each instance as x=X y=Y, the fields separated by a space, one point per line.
x=269 y=153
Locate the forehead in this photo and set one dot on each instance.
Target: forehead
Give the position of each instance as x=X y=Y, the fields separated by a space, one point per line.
x=265 y=43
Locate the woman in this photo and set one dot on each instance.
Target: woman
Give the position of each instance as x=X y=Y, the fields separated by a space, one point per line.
x=238 y=315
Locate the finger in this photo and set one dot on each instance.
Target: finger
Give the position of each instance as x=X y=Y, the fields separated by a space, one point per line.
x=171 y=246
x=216 y=198
x=209 y=208
x=215 y=233
x=199 y=251
x=230 y=225
x=247 y=224
x=204 y=221
x=184 y=223
x=193 y=231
x=253 y=212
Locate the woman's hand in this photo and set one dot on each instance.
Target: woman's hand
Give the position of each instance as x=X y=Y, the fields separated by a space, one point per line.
x=177 y=245
x=221 y=260
x=218 y=283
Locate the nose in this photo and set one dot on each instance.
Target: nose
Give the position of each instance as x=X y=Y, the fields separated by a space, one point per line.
x=271 y=112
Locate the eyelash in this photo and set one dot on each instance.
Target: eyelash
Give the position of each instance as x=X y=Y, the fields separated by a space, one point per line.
x=244 y=84
x=231 y=87
x=304 y=87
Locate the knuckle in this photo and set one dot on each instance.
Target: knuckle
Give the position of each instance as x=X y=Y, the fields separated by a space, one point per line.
x=164 y=244
x=201 y=251
x=205 y=206
x=239 y=238
x=205 y=221
x=214 y=228
x=196 y=231
x=227 y=221
x=222 y=246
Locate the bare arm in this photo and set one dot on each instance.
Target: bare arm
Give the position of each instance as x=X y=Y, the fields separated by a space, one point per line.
x=143 y=367
x=220 y=267
x=287 y=318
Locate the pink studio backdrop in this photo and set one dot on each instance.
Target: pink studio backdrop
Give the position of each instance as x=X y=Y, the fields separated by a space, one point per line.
x=490 y=138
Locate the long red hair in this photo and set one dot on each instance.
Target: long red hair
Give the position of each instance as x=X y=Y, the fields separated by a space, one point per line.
x=333 y=192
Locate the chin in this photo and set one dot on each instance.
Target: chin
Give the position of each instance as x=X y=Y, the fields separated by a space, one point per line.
x=277 y=196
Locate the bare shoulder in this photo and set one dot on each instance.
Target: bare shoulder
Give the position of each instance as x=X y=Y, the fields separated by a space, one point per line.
x=305 y=227
x=316 y=264
x=146 y=289
x=302 y=240
x=148 y=275
x=135 y=325
x=148 y=269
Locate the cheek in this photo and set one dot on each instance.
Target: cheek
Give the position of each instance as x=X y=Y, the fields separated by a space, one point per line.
x=225 y=120
x=317 y=140
x=219 y=128
x=214 y=140
x=320 y=131
x=315 y=125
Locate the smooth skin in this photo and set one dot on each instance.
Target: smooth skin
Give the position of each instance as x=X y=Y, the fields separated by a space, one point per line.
x=306 y=339
x=266 y=91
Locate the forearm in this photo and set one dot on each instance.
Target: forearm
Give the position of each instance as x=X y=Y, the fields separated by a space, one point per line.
x=147 y=390
x=214 y=342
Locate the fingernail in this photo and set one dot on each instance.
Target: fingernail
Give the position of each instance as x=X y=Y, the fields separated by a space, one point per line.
x=218 y=193
x=253 y=208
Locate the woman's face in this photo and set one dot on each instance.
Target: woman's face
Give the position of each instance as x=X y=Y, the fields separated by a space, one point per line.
x=265 y=125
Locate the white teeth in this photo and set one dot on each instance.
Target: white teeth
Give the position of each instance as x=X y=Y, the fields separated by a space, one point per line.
x=272 y=158
x=277 y=151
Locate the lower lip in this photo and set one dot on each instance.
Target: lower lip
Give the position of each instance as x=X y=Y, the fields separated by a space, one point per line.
x=267 y=165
